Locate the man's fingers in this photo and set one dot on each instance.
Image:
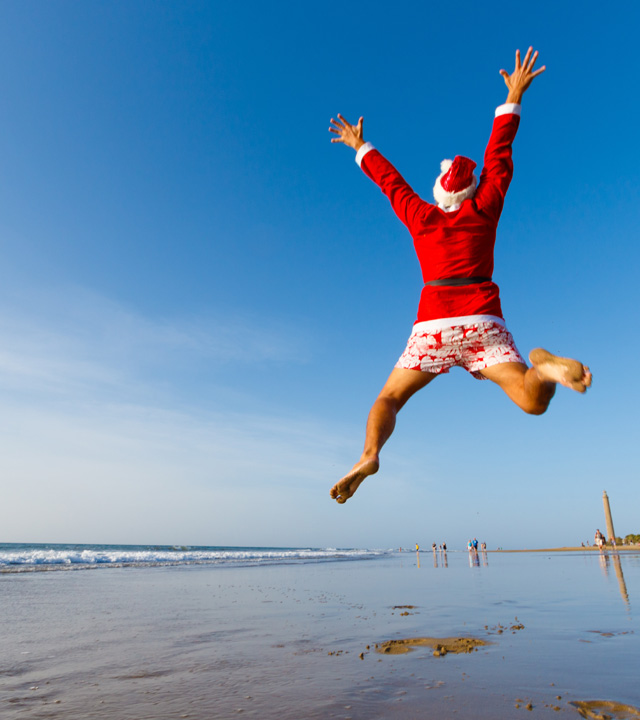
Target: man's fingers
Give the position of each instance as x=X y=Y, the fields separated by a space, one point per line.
x=524 y=68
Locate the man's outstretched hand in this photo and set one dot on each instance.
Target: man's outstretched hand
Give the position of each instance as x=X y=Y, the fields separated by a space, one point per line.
x=350 y=135
x=522 y=76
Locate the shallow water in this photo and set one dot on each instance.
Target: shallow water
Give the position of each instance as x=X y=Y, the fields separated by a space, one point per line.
x=286 y=641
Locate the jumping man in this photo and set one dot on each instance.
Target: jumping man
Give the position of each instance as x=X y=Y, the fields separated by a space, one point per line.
x=460 y=320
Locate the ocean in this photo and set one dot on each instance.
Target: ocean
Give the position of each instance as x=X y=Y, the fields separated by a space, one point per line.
x=25 y=557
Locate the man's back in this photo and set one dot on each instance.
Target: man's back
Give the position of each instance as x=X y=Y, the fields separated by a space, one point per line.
x=457 y=243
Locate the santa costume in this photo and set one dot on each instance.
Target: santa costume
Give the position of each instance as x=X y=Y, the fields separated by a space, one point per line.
x=454 y=240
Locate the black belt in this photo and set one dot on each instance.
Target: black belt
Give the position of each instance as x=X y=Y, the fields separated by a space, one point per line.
x=457 y=281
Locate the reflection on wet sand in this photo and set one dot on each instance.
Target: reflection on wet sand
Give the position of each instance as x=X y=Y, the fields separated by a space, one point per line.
x=439 y=558
x=617 y=565
x=605 y=560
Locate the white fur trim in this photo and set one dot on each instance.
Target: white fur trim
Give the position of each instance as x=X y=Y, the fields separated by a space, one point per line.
x=446 y=199
x=508 y=109
x=442 y=323
x=364 y=149
x=449 y=208
x=445 y=165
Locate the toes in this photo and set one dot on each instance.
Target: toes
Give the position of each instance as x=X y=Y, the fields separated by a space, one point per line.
x=340 y=495
x=577 y=376
x=585 y=380
x=574 y=382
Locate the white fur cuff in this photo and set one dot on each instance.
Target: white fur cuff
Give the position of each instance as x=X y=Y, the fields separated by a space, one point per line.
x=363 y=151
x=508 y=109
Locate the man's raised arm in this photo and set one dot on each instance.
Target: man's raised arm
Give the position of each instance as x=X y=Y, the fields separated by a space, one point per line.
x=498 y=166
x=403 y=199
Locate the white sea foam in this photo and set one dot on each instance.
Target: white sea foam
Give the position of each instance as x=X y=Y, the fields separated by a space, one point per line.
x=16 y=558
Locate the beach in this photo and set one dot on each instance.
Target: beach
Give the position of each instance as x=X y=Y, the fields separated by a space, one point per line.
x=309 y=639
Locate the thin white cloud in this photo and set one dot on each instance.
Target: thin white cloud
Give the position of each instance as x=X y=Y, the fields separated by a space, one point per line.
x=147 y=474
x=60 y=343
x=94 y=447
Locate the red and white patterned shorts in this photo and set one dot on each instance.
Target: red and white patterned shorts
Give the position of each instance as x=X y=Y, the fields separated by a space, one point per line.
x=436 y=347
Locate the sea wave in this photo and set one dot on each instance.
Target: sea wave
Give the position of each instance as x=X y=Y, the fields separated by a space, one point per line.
x=24 y=558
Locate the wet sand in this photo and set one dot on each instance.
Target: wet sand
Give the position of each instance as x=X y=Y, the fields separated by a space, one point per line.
x=440 y=646
x=550 y=633
x=605 y=710
x=631 y=549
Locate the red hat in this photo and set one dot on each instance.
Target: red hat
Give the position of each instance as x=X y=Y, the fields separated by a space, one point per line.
x=456 y=181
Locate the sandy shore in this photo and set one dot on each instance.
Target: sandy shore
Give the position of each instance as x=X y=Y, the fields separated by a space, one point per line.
x=588 y=548
x=551 y=633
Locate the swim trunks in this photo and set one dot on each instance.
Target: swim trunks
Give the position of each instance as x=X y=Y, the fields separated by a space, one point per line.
x=436 y=346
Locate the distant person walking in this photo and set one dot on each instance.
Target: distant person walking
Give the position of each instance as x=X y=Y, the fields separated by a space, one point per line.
x=460 y=319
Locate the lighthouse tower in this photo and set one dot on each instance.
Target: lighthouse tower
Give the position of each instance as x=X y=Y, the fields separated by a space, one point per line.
x=607 y=515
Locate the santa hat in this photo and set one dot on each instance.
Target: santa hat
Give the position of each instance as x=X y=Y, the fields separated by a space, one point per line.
x=456 y=181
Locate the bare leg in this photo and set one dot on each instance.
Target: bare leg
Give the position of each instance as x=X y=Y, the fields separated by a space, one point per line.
x=400 y=386
x=532 y=388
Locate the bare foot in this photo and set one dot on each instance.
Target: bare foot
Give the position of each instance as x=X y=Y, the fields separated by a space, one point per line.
x=345 y=488
x=565 y=371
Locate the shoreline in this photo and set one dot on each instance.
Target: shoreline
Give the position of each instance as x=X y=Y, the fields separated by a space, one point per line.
x=588 y=548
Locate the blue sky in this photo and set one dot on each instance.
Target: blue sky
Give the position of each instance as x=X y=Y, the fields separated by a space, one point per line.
x=200 y=296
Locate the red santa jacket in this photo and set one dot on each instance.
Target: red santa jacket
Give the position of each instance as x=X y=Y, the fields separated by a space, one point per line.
x=458 y=243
